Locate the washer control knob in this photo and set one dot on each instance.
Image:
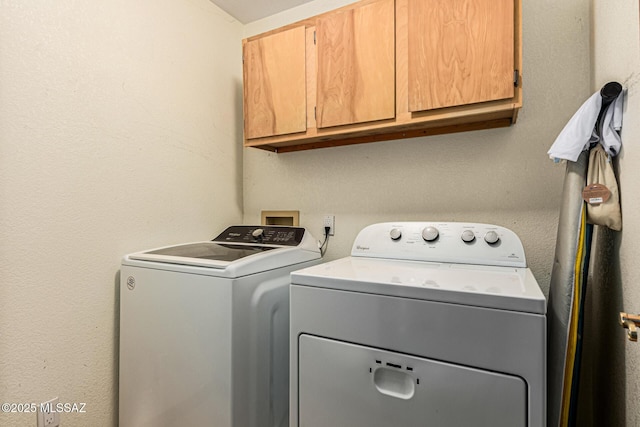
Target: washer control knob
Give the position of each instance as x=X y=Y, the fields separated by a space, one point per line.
x=395 y=234
x=429 y=234
x=258 y=234
x=468 y=236
x=491 y=237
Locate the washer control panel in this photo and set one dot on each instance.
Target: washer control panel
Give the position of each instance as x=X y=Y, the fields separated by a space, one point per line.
x=262 y=234
x=454 y=242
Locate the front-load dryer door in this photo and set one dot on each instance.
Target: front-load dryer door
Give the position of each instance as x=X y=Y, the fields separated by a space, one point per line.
x=347 y=385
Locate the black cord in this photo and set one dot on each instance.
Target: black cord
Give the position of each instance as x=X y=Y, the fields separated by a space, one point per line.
x=323 y=245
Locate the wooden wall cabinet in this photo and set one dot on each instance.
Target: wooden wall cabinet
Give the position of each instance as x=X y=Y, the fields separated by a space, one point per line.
x=274 y=84
x=378 y=70
x=356 y=65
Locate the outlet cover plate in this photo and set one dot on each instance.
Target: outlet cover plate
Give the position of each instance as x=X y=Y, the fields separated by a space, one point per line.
x=48 y=416
x=329 y=221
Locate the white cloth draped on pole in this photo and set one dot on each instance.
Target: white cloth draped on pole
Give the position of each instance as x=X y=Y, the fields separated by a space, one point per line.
x=584 y=128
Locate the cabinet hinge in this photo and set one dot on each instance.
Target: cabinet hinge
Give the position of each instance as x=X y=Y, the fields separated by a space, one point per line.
x=516 y=78
x=315 y=113
x=314 y=37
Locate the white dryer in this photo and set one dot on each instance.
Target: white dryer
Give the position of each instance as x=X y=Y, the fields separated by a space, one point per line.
x=424 y=324
x=204 y=329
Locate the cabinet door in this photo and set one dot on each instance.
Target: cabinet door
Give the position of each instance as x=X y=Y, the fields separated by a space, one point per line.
x=274 y=84
x=356 y=65
x=460 y=52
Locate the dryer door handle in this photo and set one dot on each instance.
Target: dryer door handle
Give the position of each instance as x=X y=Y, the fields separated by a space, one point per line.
x=394 y=383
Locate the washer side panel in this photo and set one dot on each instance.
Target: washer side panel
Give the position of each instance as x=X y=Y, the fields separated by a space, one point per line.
x=175 y=335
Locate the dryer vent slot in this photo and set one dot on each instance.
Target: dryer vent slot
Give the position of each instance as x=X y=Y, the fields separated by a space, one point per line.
x=409 y=368
x=379 y=362
x=393 y=365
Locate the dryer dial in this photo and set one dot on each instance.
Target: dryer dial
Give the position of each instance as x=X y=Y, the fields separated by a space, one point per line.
x=395 y=234
x=429 y=234
x=491 y=237
x=468 y=236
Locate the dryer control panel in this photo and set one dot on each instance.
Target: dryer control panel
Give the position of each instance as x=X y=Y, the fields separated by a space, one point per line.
x=452 y=242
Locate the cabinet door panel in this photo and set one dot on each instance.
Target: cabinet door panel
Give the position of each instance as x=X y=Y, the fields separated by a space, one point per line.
x=356 y=65
x=274 y=84
x=460 y=52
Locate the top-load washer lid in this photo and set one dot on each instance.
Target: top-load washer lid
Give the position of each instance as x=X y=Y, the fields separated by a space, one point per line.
x=461 y=263
x=237 y=251
x=203 y=253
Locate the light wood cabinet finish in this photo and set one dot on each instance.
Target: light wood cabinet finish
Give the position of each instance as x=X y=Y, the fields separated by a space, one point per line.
x=460 y=52
x=356 y=65
x=463 y=82
x=274 y=84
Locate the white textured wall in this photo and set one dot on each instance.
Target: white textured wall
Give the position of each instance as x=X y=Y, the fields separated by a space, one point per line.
x=120 y=129
x=500 y=176
x=611 y=370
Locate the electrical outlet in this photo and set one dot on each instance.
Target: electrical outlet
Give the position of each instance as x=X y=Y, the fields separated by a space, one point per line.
x=329 y=221
x=48 y=415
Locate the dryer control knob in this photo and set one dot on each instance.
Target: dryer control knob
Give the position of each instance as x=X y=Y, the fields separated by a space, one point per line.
x=258 y=233
x=468 y=236
x=395 y=234
x=491 y=237
x=429 y=234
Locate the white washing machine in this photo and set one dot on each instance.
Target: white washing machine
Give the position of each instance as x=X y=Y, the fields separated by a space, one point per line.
x=204 y=329
x=438 y=324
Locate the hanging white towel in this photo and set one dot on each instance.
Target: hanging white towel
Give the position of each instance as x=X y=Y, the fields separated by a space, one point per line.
x=581 y=131
x=611 y=125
